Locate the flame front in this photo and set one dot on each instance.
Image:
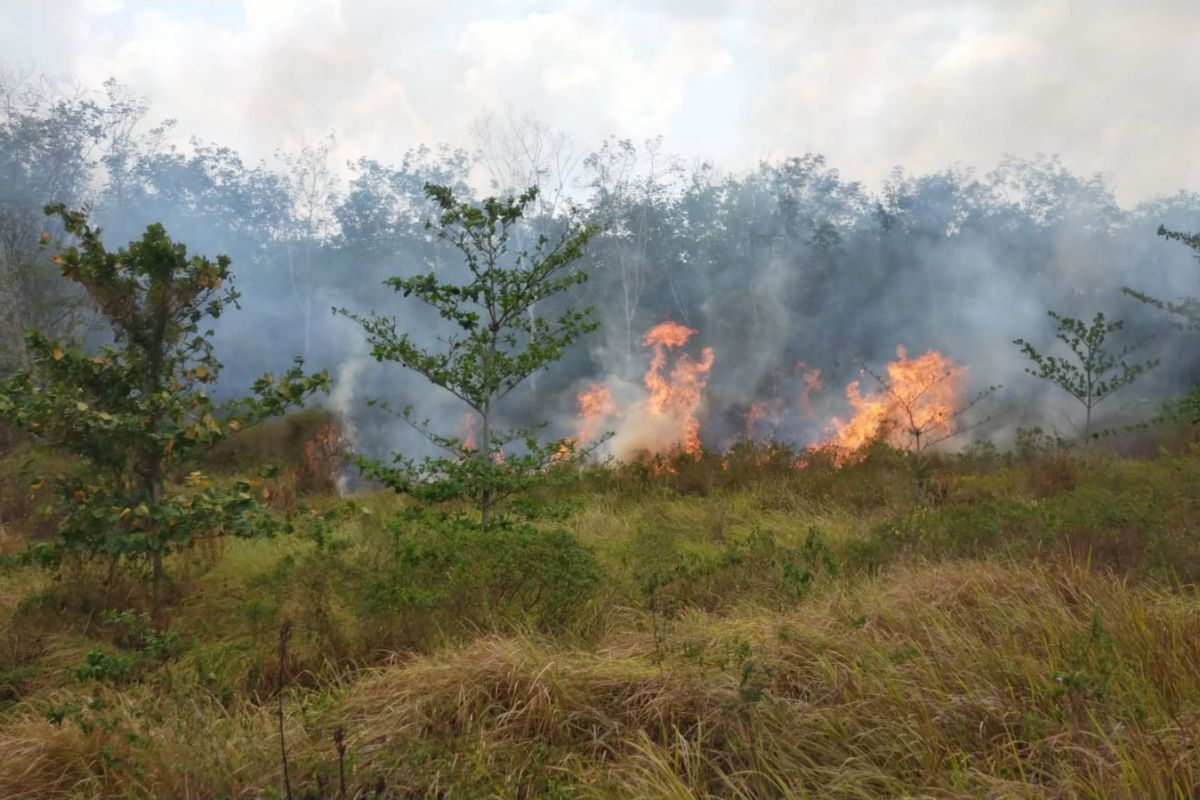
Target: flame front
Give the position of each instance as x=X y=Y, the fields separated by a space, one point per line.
x=595 y=405
x=812 y=383
x=674 y=400
x=913 y=407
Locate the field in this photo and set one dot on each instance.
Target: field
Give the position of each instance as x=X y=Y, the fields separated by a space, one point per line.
x=996 y=624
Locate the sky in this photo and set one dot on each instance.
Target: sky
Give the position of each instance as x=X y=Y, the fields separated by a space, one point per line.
x=1110 y=85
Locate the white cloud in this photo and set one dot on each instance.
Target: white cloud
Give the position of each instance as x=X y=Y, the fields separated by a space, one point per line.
x=871 y=84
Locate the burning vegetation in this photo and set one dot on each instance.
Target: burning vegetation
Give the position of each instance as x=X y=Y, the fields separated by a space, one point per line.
x=912 y=407
x=914 y=404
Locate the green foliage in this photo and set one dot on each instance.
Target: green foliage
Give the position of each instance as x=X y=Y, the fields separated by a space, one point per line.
x=1086 y=678
x=498 y=342
x=140 y=645
x=1032 y=443
x=1095 y=372
x=137 y=410
x=1184 y=409
x=448 y=572
x=1187 y=308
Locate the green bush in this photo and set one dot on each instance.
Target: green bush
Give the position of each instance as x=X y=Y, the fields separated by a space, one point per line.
x=446 y=573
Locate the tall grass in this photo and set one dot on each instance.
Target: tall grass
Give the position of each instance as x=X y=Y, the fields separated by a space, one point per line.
x=1001 y=626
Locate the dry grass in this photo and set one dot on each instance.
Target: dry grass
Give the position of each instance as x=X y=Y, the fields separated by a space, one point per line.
x=999 y=633
x=937 y=681
x=965 y=679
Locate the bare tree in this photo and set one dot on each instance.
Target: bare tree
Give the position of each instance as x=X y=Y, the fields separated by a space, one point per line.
x=313 y=189
x=519 y=151
x=624 y=200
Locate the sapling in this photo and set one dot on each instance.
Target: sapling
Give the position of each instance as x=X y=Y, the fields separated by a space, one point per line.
x=1095 y=372
x=498 y=341
x=138 y=410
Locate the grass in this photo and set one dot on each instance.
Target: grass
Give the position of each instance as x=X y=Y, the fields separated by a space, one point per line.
x=990 y=625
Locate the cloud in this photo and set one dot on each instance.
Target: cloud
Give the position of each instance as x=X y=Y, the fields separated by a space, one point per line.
x=1101 y=83
x=871 y=84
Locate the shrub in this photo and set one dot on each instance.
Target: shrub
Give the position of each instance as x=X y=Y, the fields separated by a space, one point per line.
x=449 y=573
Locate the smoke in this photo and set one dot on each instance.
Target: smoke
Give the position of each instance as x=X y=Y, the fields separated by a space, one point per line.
x=782 y=273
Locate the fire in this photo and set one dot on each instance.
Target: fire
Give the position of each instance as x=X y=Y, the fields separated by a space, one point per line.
x=677 y=397
x=467 y=440
x=595 y=405
x=760 y=413
x=812 y=383
x=913 y=407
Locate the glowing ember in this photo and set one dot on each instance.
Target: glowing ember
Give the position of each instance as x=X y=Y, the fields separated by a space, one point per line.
x=912 y=408
x=676 y=398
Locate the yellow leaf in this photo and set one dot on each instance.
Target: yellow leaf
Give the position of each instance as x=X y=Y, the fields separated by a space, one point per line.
x=201 y=372
x=56 y=353
x=125 y=512
x=36 y=485
x=234 y=425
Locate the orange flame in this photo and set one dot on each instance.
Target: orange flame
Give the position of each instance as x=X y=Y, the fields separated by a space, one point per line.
x=595 y=405
x=812 y=383
x=914 y=405
x=761 y=414
x=467 y=440
x=678 y=396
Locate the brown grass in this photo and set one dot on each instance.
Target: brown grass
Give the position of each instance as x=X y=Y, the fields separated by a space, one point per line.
x=965 y=679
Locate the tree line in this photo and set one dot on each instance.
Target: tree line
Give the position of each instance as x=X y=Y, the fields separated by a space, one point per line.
x=790 y=261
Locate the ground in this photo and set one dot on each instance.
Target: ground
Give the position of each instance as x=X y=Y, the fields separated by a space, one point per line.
x=1007 y=625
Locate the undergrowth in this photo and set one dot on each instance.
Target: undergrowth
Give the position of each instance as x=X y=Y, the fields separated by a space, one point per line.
x=766 y=624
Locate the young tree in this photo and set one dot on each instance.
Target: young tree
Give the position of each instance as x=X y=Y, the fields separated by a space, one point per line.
x=925 y=423
x=136 y=410
x=499 y=342
x=1095 y=372
x=1187 y=308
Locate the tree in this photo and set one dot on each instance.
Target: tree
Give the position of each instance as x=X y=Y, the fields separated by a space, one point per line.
x=918 y=404
x=636 y=209
x=1085 y=377
x=1188 y=307
x=47 y=133
x=497 y=344
x=136 y=410
x=312 y=189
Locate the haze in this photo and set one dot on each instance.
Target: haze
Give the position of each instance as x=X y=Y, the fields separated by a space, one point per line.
x=870 y=85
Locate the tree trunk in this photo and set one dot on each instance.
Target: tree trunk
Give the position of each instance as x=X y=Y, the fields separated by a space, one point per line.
x=154 y=485
x=485 y=444
x=485 y=451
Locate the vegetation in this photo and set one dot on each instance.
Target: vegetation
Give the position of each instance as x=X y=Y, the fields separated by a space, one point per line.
x=1187 y=308
x=499 y=342
x=1027 y=627
x=758 y=621
x=1096 y=371
x=136 y=410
